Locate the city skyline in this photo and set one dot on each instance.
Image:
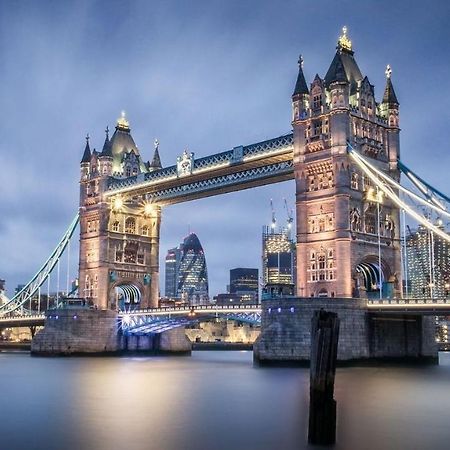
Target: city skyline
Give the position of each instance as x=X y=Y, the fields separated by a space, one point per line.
x=61 y=75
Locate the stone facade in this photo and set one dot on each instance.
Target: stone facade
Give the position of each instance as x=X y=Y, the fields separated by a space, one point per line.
x=119 y=236
x=340 y=213
x=286 y=331
x=75 y=331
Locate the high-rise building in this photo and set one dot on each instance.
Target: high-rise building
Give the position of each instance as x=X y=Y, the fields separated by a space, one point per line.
x=173 y=259
x=278 y=257
x=428 y=264
x=192 y=284
x=244 y=282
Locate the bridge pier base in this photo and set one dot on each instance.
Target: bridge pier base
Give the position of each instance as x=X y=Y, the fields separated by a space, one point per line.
x=170 y=341
x=71 y=331
x=286 y=332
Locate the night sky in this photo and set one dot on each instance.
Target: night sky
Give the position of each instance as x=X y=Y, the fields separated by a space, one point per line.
x=203 y=75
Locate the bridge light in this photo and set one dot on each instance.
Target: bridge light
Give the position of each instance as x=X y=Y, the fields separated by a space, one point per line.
x=126 y=319
x=117 y=204
x=148 y=209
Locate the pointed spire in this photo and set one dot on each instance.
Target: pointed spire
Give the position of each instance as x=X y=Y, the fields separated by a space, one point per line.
x=336 y=72
x=156 y=161
x=389 y=96
x=300 y=86
x=87 y=152
x=106 y=151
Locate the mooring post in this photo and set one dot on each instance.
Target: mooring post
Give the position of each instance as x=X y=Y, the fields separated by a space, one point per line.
x=322 y=406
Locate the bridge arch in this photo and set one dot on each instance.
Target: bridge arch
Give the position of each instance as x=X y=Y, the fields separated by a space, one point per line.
x=126 y=295
x=371 y=275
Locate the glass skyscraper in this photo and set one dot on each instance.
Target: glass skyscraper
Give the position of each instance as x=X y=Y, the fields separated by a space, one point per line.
x=278 y=257
x=173 y=258
x=244 y=282
x=428 y=264
x=192 y=281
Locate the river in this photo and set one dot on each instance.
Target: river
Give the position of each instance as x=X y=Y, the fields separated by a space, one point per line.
x=212 y=400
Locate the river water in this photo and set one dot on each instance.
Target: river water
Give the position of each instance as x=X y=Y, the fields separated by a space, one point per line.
x=211 y=401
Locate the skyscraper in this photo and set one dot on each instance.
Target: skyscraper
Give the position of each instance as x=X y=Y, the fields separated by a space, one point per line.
x=278 y=257
x=428 y=264
x=192 y=284
x=244 y=282
x=173 y=259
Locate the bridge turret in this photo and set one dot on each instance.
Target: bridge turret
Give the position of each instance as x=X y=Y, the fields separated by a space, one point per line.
x=85 y=160
x=389 y=108
x=300 y=97
x=106 y=158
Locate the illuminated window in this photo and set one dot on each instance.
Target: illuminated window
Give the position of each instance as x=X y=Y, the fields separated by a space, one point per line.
x=317 y=101
x=317 y=128
x=116 y=226
x=130 y=225
x=354 y=181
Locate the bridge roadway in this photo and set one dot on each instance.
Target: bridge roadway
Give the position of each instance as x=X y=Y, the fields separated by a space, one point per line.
x=439 y=307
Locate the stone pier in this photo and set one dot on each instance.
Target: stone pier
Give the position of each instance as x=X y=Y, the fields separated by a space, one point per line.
x=77 y=331
x=286 y=332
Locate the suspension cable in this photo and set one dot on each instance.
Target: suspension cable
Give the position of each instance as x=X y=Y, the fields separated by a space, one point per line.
x=401 y=204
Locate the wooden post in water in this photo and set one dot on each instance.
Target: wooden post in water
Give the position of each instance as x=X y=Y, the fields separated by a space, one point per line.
x=322 y=406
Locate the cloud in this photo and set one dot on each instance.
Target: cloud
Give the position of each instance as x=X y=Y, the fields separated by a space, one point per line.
x=202 y=75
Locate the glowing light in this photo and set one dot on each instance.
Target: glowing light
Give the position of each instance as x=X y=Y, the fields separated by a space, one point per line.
x=126 y=319
x=117 y=203
x=122 y=121
x=344 y=42
x=148 y=209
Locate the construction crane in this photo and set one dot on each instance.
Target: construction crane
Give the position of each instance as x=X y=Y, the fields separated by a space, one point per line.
x=274 y=220
x=290 y=214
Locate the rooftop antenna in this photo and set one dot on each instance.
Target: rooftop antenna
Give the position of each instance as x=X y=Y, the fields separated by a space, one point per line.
x=274 y=220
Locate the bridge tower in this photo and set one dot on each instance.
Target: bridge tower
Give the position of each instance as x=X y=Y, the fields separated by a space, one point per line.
x=347 y=233
x=119 y=236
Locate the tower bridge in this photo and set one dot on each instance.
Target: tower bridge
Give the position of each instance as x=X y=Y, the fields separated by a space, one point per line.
x=344 y=155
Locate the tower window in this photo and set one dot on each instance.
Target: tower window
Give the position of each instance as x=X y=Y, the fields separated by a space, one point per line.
x=354 y=181
x=116 y=226
x=145 y=230
x=318 y=128
x=317 y=101
x=130 y=225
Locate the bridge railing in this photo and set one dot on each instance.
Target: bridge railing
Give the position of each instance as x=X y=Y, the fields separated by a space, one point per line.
x=409 y=301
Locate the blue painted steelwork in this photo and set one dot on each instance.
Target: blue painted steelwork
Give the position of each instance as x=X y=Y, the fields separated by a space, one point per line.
x=31 y=288
x=154 y=324
x=246 y=176
x=414 y=178
x=230 y=157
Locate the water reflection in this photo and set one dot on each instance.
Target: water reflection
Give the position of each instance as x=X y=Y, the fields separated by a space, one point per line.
x=212 y=400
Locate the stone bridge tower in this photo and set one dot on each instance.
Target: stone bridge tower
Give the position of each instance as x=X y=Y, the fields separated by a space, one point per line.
x=347 y=233
x=119 y=236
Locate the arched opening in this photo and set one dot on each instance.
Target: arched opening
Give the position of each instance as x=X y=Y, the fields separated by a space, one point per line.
x=373 y=277
x=130 y=225
x=128 y=296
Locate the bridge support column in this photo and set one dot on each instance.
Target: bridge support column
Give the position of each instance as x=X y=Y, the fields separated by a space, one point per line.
x=170 y=341
x=402 y=336
x=286 y=337
x=77 y=331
